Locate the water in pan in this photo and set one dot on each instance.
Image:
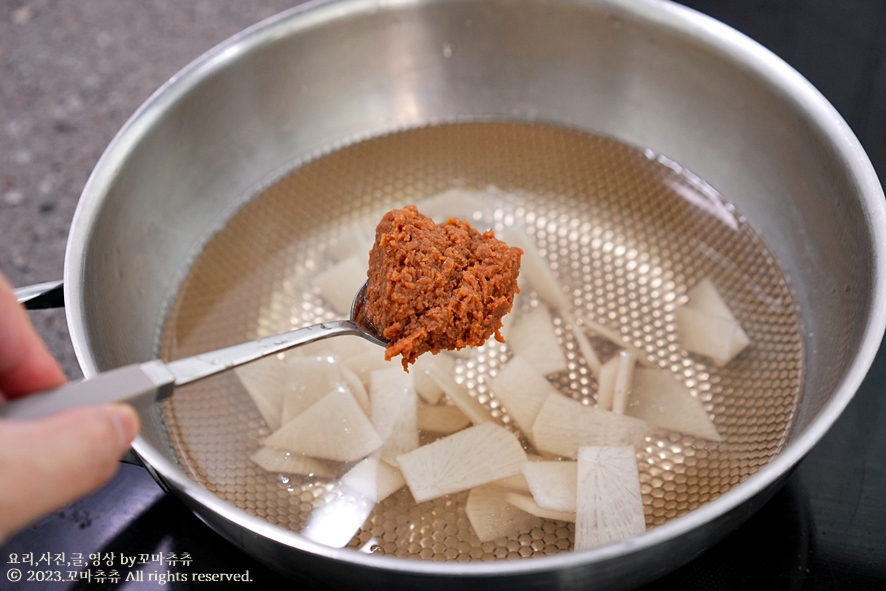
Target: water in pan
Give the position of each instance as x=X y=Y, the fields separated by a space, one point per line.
x=627 y=231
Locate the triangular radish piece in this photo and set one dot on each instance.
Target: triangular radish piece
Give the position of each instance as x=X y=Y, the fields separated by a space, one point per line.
x=514 y=483
x=365 y=363
x=532 y=337
x=339 y=284
x=453 y=203
x=609 y=503
x=552 y=484
x=441 y=419
x=393 y=400
x=334 y=428
x=308 y=380
x=427 y=388
x=335 y=522
x=564 y=425
x=374 y=479
x=522 y=389
x=478 y=455
x=606 y=384
x=284 y=462
x=355 y=243
x=493 y=518
x=526 y=503
x=660 y=399
x=460 y=396
x=623 y=375
x=356 y=386
x=706 y=325
x=265 y=382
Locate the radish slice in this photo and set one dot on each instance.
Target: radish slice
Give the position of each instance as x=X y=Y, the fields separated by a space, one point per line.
x=308 y=380
x=453 y=203
x=441 y=419
x=478 y=455
x=335 y=428
x=658 y=398
x=365 y=363
x=339 y=284
x=538 y=273
x=553 y=484
x=564 y=425
x=606 y=384
x=532 y=337
x=522 y=389
x=460 y=396
x=265 y=382
x=706 y=325
x=425 y=386
x=284 y=462
x=374 y=479
x=353 y=244
x=337 y=521
x=609 y=503
x=626 y=362
x=393 y=400
x=526 y=503
x=356 y=386
x=493 y=518
x=516 y=482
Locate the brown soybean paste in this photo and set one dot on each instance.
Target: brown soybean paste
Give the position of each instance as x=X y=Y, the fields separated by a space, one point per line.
x=437 y=286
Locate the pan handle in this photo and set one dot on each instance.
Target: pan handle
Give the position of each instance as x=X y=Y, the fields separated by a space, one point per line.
x=50 y=294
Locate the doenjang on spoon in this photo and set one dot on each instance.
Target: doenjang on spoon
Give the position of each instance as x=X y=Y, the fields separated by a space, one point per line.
x=145 y=383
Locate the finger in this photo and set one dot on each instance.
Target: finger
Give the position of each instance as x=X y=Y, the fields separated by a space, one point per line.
x=26 y=365
x=48 y=463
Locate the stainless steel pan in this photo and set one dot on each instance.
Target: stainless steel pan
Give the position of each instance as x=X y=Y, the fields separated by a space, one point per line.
x=645 y=72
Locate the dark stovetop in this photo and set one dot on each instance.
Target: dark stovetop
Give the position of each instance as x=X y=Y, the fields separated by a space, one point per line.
x=825 y=530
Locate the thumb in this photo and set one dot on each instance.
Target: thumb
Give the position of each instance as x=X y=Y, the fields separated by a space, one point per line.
x=48 y=463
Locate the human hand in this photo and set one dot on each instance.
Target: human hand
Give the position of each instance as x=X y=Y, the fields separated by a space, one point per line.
x=48 y=463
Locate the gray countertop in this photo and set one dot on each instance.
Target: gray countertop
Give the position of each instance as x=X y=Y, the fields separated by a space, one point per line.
x=71 y=74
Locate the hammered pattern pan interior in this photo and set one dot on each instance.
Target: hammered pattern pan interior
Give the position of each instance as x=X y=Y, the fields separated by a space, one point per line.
x=628 y=231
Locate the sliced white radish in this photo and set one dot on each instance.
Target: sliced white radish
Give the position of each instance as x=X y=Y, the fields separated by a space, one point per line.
x=365 y=363
x=552 y=484
x=609 y=503
x=528 y=504
x=626 y=362
x=339 y=284
x=355 y=243
x=453 y=203
x=516 y=482
x=265 y=382
x=493 y=518
x=425 y=386
x=658 y=398
x=522 y=389
x=606 y=383
x=706 y=325
x=564 y=425
x=308 y=379
x=478 y=455
x=393 y=400
x=284 y=462
x=460 y=396
x=535 y=270
x=374 y=479
x=334 y=428
x=441 y=419
x=335 y=522
x=356 y=386
x=532 y=337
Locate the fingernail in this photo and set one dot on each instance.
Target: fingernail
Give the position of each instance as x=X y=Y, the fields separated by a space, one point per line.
x=127 y=422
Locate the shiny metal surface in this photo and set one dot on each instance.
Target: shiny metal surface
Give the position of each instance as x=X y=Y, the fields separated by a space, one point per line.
x=648 y=73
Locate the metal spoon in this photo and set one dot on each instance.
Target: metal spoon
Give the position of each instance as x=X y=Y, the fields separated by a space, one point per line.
x=143 y=384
